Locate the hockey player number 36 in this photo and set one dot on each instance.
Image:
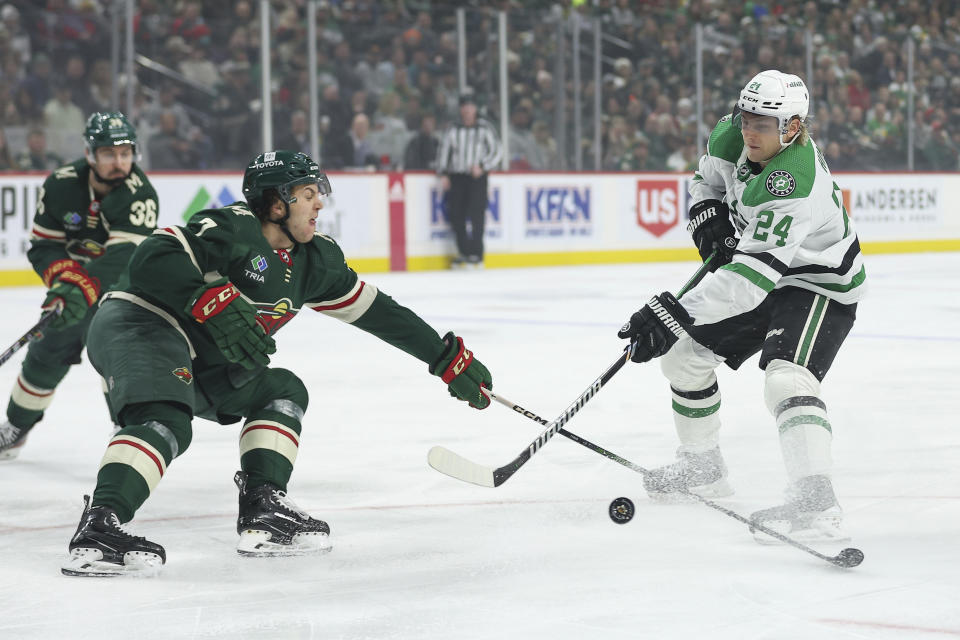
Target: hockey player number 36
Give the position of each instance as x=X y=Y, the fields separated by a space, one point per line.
x=144 y=212
x=782 y=228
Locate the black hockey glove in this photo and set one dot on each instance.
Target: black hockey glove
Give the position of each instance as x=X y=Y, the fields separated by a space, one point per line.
x=712 y=230
x=656 y=327
x=466 y=377
x=233 y=323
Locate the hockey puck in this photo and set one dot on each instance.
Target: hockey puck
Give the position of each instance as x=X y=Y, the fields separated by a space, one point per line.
x=849 y=557
x=621 y=510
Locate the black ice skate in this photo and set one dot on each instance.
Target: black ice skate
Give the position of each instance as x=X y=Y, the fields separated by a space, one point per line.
x=704 y=474
x=270 y=524
x=810 y=514
x=102 y=548
x=12 y=440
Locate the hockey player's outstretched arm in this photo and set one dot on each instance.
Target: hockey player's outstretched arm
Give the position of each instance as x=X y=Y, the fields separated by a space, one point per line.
x=342 y=295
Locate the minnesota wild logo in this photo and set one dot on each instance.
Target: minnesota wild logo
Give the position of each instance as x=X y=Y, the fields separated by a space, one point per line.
x=183 y=374
x=275 y=315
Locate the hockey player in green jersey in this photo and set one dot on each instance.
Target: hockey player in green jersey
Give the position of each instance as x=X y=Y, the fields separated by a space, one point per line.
x=91 y=215
x=188 y=332
x=789 y=278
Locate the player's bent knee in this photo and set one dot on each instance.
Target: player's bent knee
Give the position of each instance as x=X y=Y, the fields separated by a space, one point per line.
x=688 y=366
x=787 y=380
x=282 y=390
x=166 y=425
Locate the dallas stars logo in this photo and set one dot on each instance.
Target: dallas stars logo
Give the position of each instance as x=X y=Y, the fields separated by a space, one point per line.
x=781 y=183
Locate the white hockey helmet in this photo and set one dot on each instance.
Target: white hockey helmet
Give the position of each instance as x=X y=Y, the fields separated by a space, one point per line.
x=777 y=94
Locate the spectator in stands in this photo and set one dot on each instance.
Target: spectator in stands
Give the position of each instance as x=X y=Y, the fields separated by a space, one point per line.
x=348 y=79
x=412 y=50
x=858 y=95
x=940 y=151
x=190 y=24
x=76 y=78
x=176 y=51
x=361 y=151
x=199 y=67
x=36 y=157
x=389 y=135
x=421 y=151
x=544 y=156
x=637 y=158
x=521 y=138
x=375 y=73
x=235 y=119
x=297 y=136
x=38 y=82
x=686 y=157
x=101 y=85
x=167 y=100
x=19 y=38
x=333 y=106
x=60 y=114
x=168 y=149
x=6 y=158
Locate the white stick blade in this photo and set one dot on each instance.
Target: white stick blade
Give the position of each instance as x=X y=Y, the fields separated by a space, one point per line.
x=456 y=466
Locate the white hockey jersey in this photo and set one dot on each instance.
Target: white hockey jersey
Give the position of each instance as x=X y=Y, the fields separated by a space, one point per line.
x=794 y=230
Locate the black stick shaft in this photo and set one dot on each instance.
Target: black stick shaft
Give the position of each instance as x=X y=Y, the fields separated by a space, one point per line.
x=501 y=474
x=34 y=332
x=836 y=560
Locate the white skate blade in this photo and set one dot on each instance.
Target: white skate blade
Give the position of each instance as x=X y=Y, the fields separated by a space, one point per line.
x=719 y=489
x=821 y=530
x=255 y=543
x=12 y=452
x=89 y=563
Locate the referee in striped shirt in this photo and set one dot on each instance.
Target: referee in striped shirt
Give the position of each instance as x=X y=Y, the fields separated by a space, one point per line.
x=467 y=152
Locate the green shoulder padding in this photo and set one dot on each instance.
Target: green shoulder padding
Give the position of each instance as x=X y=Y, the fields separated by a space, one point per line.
x=725 y=142
x=790 y=174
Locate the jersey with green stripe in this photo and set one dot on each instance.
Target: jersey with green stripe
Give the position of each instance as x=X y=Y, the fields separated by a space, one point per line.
x=100 y=237
x=794 y=230
x=171 y=266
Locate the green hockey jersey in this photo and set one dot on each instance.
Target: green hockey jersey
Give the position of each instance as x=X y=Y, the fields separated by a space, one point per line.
x=71 y=222
x=168 y=269
x=794 y=230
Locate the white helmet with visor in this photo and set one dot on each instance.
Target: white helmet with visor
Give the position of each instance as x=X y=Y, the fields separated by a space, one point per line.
x=777 y=94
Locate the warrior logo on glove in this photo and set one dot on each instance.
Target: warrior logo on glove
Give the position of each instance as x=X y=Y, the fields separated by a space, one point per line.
x=656 y=327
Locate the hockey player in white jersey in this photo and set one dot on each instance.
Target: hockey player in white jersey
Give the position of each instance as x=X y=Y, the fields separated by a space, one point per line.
x=786 y=277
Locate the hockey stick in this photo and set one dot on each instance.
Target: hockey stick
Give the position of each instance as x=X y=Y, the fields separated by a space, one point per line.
x=847 y=558
x=456 y=466
x=36 y=331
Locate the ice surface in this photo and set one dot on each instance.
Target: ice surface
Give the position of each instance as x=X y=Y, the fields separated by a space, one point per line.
x=419 y=555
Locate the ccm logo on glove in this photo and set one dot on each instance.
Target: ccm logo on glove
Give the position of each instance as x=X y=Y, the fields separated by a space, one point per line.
x=213 y=301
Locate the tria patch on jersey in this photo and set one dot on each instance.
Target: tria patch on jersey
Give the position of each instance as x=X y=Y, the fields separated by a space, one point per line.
x=780 y=183
x=183 y=374
x=71 y=221
x=259 y=265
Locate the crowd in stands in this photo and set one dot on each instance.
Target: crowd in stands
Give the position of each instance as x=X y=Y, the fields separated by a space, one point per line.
x=387 y=74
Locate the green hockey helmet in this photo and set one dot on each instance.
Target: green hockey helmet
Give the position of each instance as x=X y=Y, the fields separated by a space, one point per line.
x=109 y=129
x=281 y=171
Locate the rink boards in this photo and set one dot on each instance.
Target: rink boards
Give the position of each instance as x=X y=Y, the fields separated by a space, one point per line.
x=399 y=221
